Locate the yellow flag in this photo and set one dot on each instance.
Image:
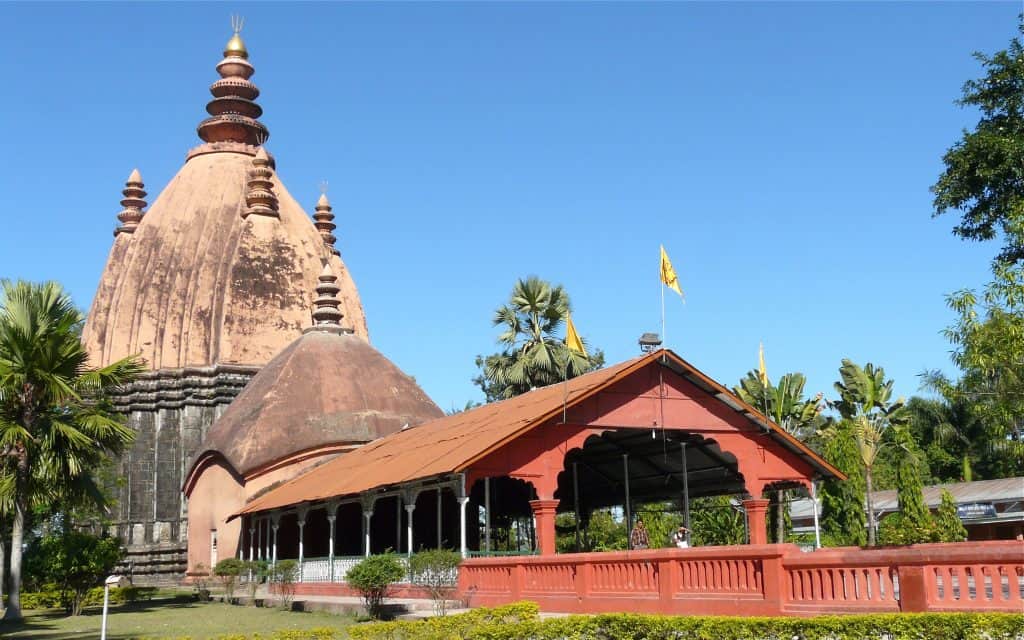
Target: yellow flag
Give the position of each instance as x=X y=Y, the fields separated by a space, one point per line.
x=668 y=274
x=572 y=339
x=762 y=371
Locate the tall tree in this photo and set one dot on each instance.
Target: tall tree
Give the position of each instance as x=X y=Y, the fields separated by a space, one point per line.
x=957 y=443
x=984 y=171
x=842 y=501
x=787 y=407
x=532 y=354
x=865 y=399
x=55 y=421
x=988 y=348
x=913 y=523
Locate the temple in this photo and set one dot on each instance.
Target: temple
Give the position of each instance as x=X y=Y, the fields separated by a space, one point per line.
x=207 y=285
x=267 y=427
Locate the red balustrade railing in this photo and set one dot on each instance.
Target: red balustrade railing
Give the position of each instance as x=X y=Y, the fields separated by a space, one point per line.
x=758 y=580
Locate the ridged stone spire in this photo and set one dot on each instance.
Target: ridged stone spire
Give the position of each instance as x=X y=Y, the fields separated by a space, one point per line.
x=259 y=196
x=325 y=223
x=133 y=204
x=233 y=110
x=326 y=314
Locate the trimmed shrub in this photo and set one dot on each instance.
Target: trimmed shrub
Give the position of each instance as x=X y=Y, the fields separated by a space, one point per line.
x=372 y=577
x=434 y=571
x=521 y=621
x=228 y=571
x=284 y=574
x=50 y=597
x=256 y=571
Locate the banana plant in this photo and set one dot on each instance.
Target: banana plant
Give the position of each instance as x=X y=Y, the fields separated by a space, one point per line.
x=865 y=398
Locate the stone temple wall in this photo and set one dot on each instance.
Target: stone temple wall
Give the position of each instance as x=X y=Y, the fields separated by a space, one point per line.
x=170 y=412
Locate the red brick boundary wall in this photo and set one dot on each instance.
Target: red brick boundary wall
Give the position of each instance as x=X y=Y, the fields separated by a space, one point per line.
x=757 y=580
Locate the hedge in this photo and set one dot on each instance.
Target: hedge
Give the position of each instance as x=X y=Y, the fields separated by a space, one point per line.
x=520 y=622
x=50 y=597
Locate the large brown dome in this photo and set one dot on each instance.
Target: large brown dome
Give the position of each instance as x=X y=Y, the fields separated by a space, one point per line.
x=198 y=284
x=326 y=388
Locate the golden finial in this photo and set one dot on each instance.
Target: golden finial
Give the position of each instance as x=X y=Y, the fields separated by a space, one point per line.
x=235 y=46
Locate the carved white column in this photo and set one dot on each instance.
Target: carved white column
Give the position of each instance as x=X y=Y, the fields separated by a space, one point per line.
x=332 y=515
x=301 y=513
x=275 y=522
x=463 y=501
x=366 y=527
x=367 y=503
x=409 y=508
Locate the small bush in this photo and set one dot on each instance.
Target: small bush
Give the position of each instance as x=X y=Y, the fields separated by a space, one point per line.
x=256 y=571
x=434 y=570
x=284 y=574
x=201 y=580
x=228 y=571
x=372 y=577
x=520 y=620
x=72 y=563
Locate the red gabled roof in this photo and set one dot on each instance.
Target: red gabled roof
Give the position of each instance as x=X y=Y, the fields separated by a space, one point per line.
x=453 y=443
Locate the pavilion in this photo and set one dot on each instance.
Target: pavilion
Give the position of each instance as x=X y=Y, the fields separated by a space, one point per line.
x=648 y=429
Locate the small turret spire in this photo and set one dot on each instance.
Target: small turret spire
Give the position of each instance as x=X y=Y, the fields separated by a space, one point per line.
x=233 y=110
x=326 y=314
x=133 y=204
x=324 y=221
x=259 y=196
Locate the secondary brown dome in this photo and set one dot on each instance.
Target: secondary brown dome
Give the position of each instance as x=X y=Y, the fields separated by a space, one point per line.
x=326 y=388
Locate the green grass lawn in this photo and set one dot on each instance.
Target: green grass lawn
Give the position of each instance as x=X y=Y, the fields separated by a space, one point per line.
x=173 y=618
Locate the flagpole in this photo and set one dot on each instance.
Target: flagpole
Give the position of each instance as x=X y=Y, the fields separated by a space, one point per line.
x=664 y=338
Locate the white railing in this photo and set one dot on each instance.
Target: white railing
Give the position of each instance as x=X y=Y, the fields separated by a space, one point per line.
x=319 y=570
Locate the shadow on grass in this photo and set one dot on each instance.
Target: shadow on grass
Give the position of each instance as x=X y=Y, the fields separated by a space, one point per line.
x=46 y=624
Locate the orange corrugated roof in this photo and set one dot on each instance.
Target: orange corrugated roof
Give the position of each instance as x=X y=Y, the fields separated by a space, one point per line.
x=453 y=443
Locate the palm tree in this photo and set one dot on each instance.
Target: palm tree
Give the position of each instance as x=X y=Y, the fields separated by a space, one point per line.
x=787 y=407
x=56 y=423
x=532 y=355
x=865 y=399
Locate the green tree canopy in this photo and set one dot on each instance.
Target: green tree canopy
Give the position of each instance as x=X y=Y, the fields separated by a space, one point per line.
x=984 y=171
x=56 y=424
x=988 y=348
x=532 y=354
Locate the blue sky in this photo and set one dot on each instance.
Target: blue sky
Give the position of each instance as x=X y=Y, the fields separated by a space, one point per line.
x=781 y=152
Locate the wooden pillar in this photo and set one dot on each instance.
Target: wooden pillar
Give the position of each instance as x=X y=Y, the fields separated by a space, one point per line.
x=440 y=492
x=398 y=524
x=487 y=515
x=544 y=517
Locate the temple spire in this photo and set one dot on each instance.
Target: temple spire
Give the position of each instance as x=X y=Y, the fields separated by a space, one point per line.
x=259 y=196
x=326 y=313
x=324 y=222
x=133 y=204
x=233 y=110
